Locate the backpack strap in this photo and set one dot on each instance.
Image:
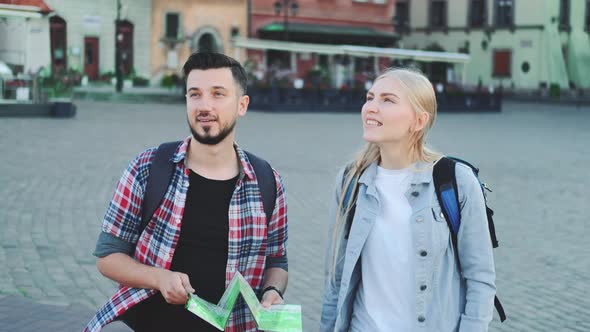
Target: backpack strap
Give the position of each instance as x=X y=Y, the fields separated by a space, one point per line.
x=445 y=185
x=266 y=183
x=159 y=177
x=348 y=195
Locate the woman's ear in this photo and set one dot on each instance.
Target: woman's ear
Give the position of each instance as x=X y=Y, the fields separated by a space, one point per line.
x=422 y=119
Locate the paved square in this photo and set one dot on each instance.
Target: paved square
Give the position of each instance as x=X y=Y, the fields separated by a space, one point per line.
x=57 y=177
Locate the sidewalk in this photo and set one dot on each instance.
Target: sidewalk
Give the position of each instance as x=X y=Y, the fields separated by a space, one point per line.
x=20 y=314
x=132 y=94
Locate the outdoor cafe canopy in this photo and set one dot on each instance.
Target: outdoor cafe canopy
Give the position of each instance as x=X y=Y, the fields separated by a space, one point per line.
x=352 y=50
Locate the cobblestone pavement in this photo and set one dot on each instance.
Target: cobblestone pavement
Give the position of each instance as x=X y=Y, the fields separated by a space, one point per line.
x=57 y=176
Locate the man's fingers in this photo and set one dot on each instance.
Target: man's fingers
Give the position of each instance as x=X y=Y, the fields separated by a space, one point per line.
x=271 y=298
x=186 y=283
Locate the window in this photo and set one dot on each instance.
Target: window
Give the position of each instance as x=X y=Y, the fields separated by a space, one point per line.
x=504 y=13
x=438 y=13
x=502 y=63
x=402 y=15
x=172 y=25
x=477 y=13
x=564 y=13
x=588 y=15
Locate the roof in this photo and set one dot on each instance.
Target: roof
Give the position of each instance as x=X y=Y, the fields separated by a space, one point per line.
x=24 y=8
x=353 y=50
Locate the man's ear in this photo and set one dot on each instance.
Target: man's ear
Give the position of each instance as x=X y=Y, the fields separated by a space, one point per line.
x=243 y=102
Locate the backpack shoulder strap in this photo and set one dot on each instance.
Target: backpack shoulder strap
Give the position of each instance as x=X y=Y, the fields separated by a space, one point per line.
x=348 y=195
x=266 y=182
x=445 y=185
x=158 y=180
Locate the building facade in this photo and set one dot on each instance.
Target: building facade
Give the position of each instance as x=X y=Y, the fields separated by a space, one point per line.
x=82 y=36
x=24 y=35
x=512 y=43
x=181 y=27
x=321 y=22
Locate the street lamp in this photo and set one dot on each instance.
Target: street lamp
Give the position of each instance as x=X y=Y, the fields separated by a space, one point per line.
x=285 y=5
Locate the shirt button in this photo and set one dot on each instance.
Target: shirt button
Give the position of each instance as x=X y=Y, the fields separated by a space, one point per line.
x=423 y=253
x=423 y=287
x=167 y=256
x=419 y=219
x=415 y=193
x=421 y=319
x=442 y=215
x=177 y=220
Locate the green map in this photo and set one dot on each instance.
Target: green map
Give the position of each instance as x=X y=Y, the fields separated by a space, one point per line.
x=279 y=318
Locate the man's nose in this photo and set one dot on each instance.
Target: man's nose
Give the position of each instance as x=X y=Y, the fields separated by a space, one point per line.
x=203 y=104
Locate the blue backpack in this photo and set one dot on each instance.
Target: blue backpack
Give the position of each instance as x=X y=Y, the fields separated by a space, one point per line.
x=445 y=184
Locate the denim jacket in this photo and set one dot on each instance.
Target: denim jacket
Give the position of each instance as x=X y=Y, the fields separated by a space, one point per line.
x=446 y=300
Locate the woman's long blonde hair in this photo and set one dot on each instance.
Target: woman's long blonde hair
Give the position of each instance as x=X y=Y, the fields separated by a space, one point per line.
x=420 y=94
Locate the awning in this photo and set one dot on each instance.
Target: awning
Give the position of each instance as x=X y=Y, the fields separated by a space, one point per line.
x=329 y=34
x=23 y=8
x=353 y=50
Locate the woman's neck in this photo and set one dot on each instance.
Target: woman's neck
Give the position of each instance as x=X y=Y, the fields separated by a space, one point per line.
x=395 y=157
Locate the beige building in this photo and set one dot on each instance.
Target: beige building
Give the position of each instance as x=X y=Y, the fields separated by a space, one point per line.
x=181 y=27
x=83 y=36
x=513 y=43
x=24 y=36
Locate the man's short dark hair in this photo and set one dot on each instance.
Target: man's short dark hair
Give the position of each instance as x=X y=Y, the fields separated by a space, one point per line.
x=207 y=60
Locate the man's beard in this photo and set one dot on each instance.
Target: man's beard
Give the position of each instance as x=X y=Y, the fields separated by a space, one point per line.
x=209 y=139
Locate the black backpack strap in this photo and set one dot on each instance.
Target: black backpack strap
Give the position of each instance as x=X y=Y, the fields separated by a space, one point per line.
x=445 y=186
x=349 y=195
x=158 y=180
x=266 y=183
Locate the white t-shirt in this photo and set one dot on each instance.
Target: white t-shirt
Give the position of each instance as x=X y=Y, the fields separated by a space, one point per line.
x=386 y=297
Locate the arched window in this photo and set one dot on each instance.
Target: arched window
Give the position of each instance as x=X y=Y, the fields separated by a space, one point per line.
x=207 y=43
x=59 y=44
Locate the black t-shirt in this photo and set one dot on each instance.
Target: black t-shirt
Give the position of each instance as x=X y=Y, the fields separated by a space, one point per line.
x=201 y=253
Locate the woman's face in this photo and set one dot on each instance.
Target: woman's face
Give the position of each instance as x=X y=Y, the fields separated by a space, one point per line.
x=387 y=114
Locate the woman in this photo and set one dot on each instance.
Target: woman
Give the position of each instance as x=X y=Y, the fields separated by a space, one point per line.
x=393 y=267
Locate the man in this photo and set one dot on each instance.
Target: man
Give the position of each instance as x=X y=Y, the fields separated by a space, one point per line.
x=210 y=224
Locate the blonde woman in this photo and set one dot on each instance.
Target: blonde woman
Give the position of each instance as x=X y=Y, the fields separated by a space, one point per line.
x=391 y=265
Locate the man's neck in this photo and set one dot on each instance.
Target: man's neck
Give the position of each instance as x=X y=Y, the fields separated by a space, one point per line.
x=216 y=162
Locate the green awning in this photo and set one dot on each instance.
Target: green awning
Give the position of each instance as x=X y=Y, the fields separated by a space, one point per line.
x=321 y=29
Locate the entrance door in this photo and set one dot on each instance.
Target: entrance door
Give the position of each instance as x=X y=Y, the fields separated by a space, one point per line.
x=91 y=57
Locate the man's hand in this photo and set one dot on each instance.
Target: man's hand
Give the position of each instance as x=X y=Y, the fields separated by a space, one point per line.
x=271 y=297
x=174 y=286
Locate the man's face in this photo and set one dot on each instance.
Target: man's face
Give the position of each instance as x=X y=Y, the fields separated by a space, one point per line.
x=213 y=104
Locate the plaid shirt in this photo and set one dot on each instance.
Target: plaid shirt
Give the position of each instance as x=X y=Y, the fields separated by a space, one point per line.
x=251 y=239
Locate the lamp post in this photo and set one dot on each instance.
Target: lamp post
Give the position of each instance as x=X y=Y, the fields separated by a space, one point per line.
x=118 y=40
x=285 y=6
